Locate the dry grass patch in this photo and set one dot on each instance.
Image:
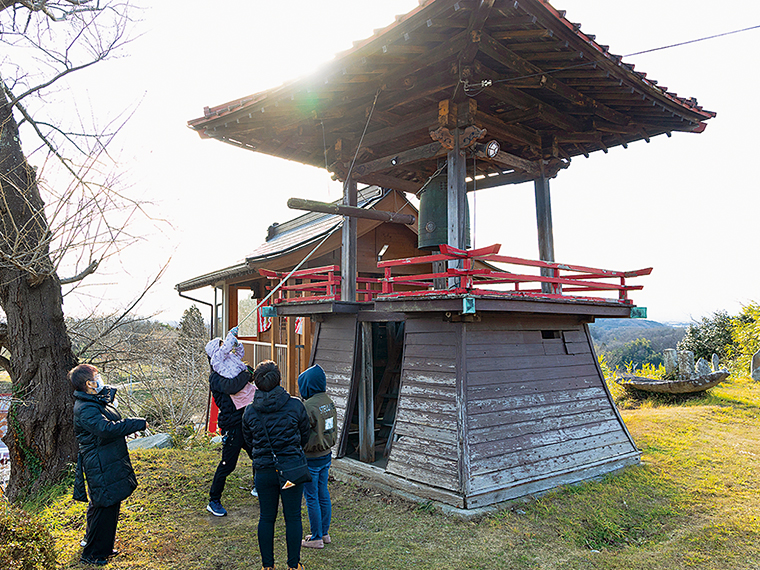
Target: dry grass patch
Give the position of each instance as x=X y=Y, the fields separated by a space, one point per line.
x=691 y=504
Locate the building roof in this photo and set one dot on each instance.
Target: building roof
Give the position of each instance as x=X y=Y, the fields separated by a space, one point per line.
x=285 y=238
x=521 y=70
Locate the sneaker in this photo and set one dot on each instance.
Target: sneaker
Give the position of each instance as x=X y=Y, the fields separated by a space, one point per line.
x=254 y=493
x=326 y=538
x=310 y=542
x=299 y=567
x=216 y=508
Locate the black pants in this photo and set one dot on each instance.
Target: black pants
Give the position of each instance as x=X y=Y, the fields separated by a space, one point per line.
x=268 y=487
x=101 y=531
x=233 y=443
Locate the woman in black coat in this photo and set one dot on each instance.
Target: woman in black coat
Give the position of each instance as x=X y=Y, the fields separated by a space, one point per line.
x=103 y=457
x=275 y=421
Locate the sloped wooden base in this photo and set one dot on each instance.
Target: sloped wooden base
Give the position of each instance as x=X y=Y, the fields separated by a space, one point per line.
x=491 y=407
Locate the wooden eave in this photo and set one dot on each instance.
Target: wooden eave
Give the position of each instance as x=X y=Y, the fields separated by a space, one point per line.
x=284 y=259
x=555 y=93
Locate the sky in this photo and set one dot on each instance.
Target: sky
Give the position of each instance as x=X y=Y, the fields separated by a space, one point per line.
x=686 y=206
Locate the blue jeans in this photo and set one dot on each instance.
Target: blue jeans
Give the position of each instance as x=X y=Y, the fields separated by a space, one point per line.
x=318 y=497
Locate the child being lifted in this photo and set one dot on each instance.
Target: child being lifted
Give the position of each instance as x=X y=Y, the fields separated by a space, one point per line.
x=232 y=388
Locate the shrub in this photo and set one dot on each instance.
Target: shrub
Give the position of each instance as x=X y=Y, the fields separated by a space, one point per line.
x=25 y=544
x=710 y=335
x=745 y=335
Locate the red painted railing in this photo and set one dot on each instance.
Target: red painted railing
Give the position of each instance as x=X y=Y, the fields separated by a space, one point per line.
x=561 y=278
x=316 y=284
x=323 y=283
x=319 y=284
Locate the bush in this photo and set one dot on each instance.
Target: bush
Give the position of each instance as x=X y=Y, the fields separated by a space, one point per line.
x=711 y=335
x=746 y=339
x=24 y=543
x=156 y=412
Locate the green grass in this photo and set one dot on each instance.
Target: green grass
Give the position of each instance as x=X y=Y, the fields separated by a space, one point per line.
x=693 y=503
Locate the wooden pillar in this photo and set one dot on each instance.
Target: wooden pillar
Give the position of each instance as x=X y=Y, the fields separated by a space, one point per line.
x=365 y=398
x=545 y=230
x=307 y=340
x=291 y=381
x=457 y=196
x=273 y=348
x=348 y=250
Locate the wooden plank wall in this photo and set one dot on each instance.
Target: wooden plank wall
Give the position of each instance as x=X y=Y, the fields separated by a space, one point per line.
x=536 y=407
x=426 y=450
x=334 y=352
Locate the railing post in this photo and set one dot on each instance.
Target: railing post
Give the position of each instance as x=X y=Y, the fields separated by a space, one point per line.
x=387 y=285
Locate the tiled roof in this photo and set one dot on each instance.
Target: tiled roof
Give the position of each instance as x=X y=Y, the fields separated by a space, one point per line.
x=541 y=87
x=284 y=238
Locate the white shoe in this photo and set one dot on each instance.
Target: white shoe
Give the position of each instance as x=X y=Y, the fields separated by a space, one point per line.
x=254 y=493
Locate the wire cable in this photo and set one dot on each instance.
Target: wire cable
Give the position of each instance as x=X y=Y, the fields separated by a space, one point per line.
x=292 y=271
x=474 y=89
x=366 y=126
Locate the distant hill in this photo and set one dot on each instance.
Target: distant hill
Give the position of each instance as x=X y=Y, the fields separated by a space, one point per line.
x=609 y=334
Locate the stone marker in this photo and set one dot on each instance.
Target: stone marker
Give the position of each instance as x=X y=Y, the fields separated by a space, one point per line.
x=715 y=362
x=670 y=358
x=685 y=364
x=155 y=441
x=703 y=367
x=755 y=370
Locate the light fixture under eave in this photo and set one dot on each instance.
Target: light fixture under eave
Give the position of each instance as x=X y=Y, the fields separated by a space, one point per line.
x=492 y=148
x=394 y=160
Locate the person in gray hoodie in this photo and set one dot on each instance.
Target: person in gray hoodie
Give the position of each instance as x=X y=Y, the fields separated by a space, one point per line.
x=312 y=384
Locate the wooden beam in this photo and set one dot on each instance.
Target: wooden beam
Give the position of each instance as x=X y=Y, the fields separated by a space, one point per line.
x=365 y=398
x=508 y=160
x=511 y=133
x=348 y=245
x=392 y=161
x=404 y=127
x=385 y=181
x=499 y=180
x=478 y=19
x=350 y=211
x=494 y=49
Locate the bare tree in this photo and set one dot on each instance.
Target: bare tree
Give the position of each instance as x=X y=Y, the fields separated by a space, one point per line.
x=63 y=212
x=162 y=371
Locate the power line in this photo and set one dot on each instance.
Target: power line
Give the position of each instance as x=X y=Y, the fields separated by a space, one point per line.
x=475 y=89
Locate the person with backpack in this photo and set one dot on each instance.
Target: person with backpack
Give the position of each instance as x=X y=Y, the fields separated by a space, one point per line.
x=312 y=384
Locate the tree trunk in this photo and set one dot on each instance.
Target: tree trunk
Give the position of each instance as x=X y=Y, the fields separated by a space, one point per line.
x=40 y=434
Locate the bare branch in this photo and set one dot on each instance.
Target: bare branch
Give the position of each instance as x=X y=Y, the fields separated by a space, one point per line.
x=78 y=277
x=126 y=312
